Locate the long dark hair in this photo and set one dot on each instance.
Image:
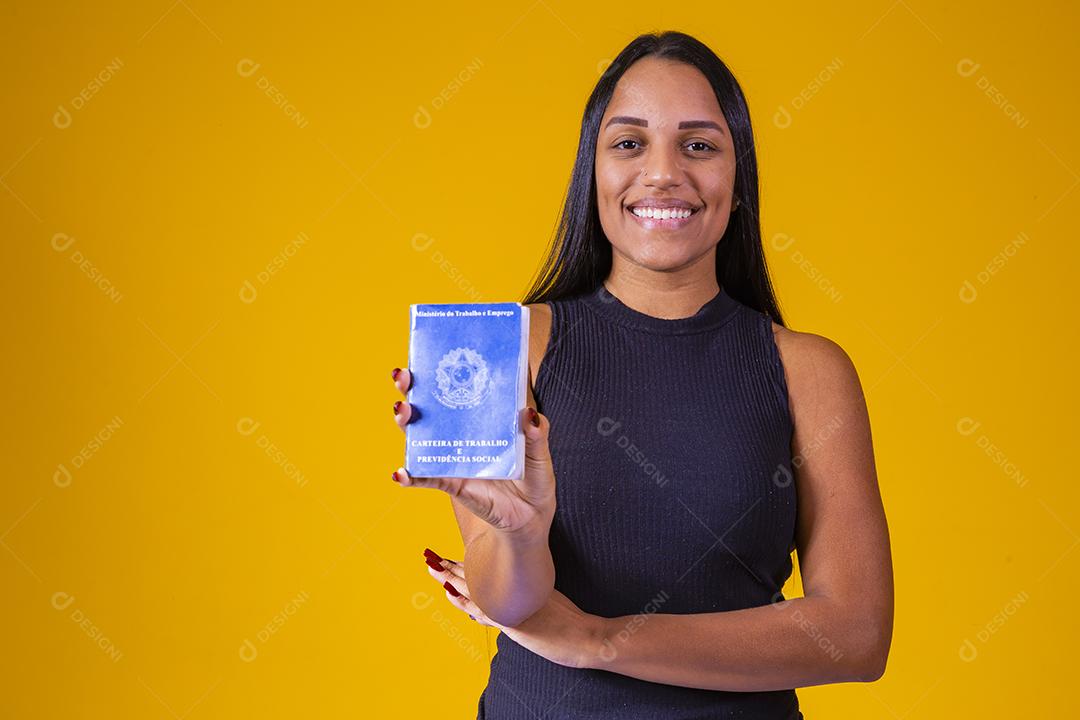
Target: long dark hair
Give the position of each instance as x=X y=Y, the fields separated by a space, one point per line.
x=579 y=256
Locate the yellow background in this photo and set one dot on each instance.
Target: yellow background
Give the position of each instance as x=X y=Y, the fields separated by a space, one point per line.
x=171 y=185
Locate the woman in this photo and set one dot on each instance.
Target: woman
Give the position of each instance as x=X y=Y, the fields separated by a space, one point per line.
x=695 y=439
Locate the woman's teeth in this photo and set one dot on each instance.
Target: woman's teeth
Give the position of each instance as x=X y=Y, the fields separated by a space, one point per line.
x=661 y=213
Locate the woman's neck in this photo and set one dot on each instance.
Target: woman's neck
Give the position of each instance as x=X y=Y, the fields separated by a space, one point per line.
x=667 y=295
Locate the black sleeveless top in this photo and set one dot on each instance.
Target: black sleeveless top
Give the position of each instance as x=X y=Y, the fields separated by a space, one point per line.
x=671 y=443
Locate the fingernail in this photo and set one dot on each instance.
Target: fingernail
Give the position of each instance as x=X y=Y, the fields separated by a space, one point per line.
x=534 y=417
x=451 y=589
x=394 y=476
x=395 y=372
x=433 y=563
x=432 y=554
x=397 y=407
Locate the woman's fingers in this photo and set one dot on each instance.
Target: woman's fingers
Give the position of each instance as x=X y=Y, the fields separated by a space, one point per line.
x=446 y=570
x=402 y=409
x=466 y=605
x=449 y=570
x=538 y=480
x=451 y=486
x=402 y=413
x=402 y=379
x=451 y=575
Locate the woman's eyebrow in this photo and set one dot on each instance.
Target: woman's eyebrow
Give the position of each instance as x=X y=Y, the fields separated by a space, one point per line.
x=700 y=124
x=685 y=124
x=627 y=120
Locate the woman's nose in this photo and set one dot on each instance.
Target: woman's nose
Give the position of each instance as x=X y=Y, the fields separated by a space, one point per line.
x=661 y=168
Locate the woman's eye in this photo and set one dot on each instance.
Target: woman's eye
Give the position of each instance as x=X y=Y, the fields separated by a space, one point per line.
x=695 y=146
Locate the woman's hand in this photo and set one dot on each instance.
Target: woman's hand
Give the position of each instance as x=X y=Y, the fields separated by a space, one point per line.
x=559 y=631
x=508 y=505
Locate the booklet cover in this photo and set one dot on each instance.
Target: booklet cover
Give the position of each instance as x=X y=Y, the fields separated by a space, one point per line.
x=469 y=366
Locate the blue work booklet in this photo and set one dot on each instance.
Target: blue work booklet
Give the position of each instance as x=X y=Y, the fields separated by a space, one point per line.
x=469 y=366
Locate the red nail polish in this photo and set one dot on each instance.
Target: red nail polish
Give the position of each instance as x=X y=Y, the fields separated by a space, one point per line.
x=433 y=563
x=534 y=418
x=451 y=589
x=393 y=475
x=395 y=372
x=397 y=407
x=432 y=554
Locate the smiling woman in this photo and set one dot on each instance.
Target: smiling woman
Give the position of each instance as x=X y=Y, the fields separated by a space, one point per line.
x=659 y=349
x=625 y=140
x=665 y=127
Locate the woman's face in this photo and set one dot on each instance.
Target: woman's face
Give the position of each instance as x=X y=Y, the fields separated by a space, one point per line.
x=663 y=140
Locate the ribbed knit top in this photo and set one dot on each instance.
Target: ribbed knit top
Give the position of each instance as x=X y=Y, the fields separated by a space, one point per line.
x=671 y=443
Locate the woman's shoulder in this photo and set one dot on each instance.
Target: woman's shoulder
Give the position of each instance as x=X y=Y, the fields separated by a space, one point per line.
x=815 y=366
x=539 y=334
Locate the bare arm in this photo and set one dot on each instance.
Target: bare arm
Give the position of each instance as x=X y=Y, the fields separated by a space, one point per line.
x=840 y=631
x=505 y=523
x=513 y=571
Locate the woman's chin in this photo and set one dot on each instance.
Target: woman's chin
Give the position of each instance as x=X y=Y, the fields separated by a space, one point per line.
x=663 y=256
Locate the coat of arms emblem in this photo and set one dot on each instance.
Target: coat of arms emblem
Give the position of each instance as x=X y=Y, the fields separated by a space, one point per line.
x=462 y=379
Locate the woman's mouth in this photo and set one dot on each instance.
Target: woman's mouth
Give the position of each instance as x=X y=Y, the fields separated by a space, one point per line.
x=672 y=218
